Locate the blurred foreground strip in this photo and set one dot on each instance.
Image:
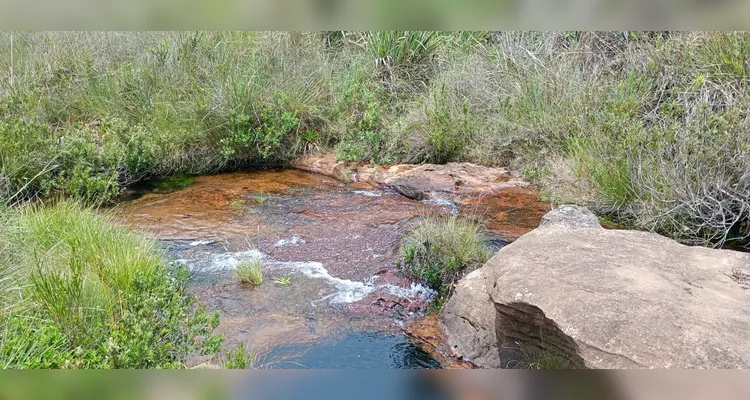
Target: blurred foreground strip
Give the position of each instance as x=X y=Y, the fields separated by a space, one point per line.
x=446 y=384
x=382 y=14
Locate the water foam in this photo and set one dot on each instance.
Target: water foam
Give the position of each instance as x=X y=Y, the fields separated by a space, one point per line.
x=414 y=290
x=227 y=261
x=368 y=193
x=439 y=202
x=346 y=291
x=292 y=240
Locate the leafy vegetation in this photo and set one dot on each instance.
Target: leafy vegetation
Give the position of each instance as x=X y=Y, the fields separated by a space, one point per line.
x=240 y=358
x=646 y=128
x=439 y=249
x=78 y=292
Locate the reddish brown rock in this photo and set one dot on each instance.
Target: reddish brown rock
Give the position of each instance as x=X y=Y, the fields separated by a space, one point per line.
x=418 y=182
x=507 y=205
x=425 y=332
x=432 y=180
x=350 y=172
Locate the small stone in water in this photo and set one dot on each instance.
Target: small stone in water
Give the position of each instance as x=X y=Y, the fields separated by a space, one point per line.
x=293 y=240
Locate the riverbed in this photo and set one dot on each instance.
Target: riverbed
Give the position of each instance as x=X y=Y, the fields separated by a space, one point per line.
x=331 y=296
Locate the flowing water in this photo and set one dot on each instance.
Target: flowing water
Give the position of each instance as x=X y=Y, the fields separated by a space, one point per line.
x=337 y=245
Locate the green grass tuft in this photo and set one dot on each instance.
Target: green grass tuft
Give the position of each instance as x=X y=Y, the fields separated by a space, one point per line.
x=250 y=272
x=283 y=280
x=439 y=249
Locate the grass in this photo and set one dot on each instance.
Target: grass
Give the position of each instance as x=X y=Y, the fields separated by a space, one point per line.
x=240 y=358
x=250 y=272
x=237 y=206
x=439 y=249
x=79 y=292
x=646 y=128
x=260 y=198
x=536 y=358
x=283 y=280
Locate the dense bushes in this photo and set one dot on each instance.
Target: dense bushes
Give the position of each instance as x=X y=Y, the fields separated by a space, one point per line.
x=648 y=128
x=77 y=292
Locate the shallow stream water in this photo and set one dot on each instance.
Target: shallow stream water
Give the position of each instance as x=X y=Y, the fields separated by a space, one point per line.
x=346 y=302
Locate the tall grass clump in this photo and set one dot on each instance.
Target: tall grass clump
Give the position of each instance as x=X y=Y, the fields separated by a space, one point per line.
x=250 y=272
x=403 y=54
x=79 y=292
x=439 y=249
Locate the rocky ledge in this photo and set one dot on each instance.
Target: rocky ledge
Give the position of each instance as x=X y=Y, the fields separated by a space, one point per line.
x=419 y=182
x=508 y=205
x=572 y=294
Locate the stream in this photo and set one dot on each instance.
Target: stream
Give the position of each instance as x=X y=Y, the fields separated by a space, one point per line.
x=345 y=303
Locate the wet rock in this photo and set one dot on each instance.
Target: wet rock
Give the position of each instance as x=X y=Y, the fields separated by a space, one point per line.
x=355 y=173
x=418 y=182
x=507 y=204
x=509 y=213
x=425 y=332
x=601 y=298
x=431 y=180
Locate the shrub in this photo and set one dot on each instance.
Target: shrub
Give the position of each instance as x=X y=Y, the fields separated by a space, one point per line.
x=88 y=294
x=438 y=249
x=250 y=271
x=239 y=358
x=27 y=158
x=262 y=137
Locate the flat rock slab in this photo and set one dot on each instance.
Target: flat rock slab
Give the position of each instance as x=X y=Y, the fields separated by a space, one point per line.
x=419 y=182
x=432 y=180
x=353 y=172
x=598 y=298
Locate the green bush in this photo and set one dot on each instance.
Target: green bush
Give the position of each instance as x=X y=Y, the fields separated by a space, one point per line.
x=239 y=358
x=262 y=135
x=449 y=129
x=83 y=293
x=439 y=249
x=27 y=158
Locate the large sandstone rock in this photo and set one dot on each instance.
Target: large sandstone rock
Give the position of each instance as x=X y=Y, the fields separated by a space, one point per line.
x=326 y=164
x=571 y=290
x=420 y=182
x=435 y=180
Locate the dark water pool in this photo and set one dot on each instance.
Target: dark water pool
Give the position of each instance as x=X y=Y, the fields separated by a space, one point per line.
x=355 y=350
